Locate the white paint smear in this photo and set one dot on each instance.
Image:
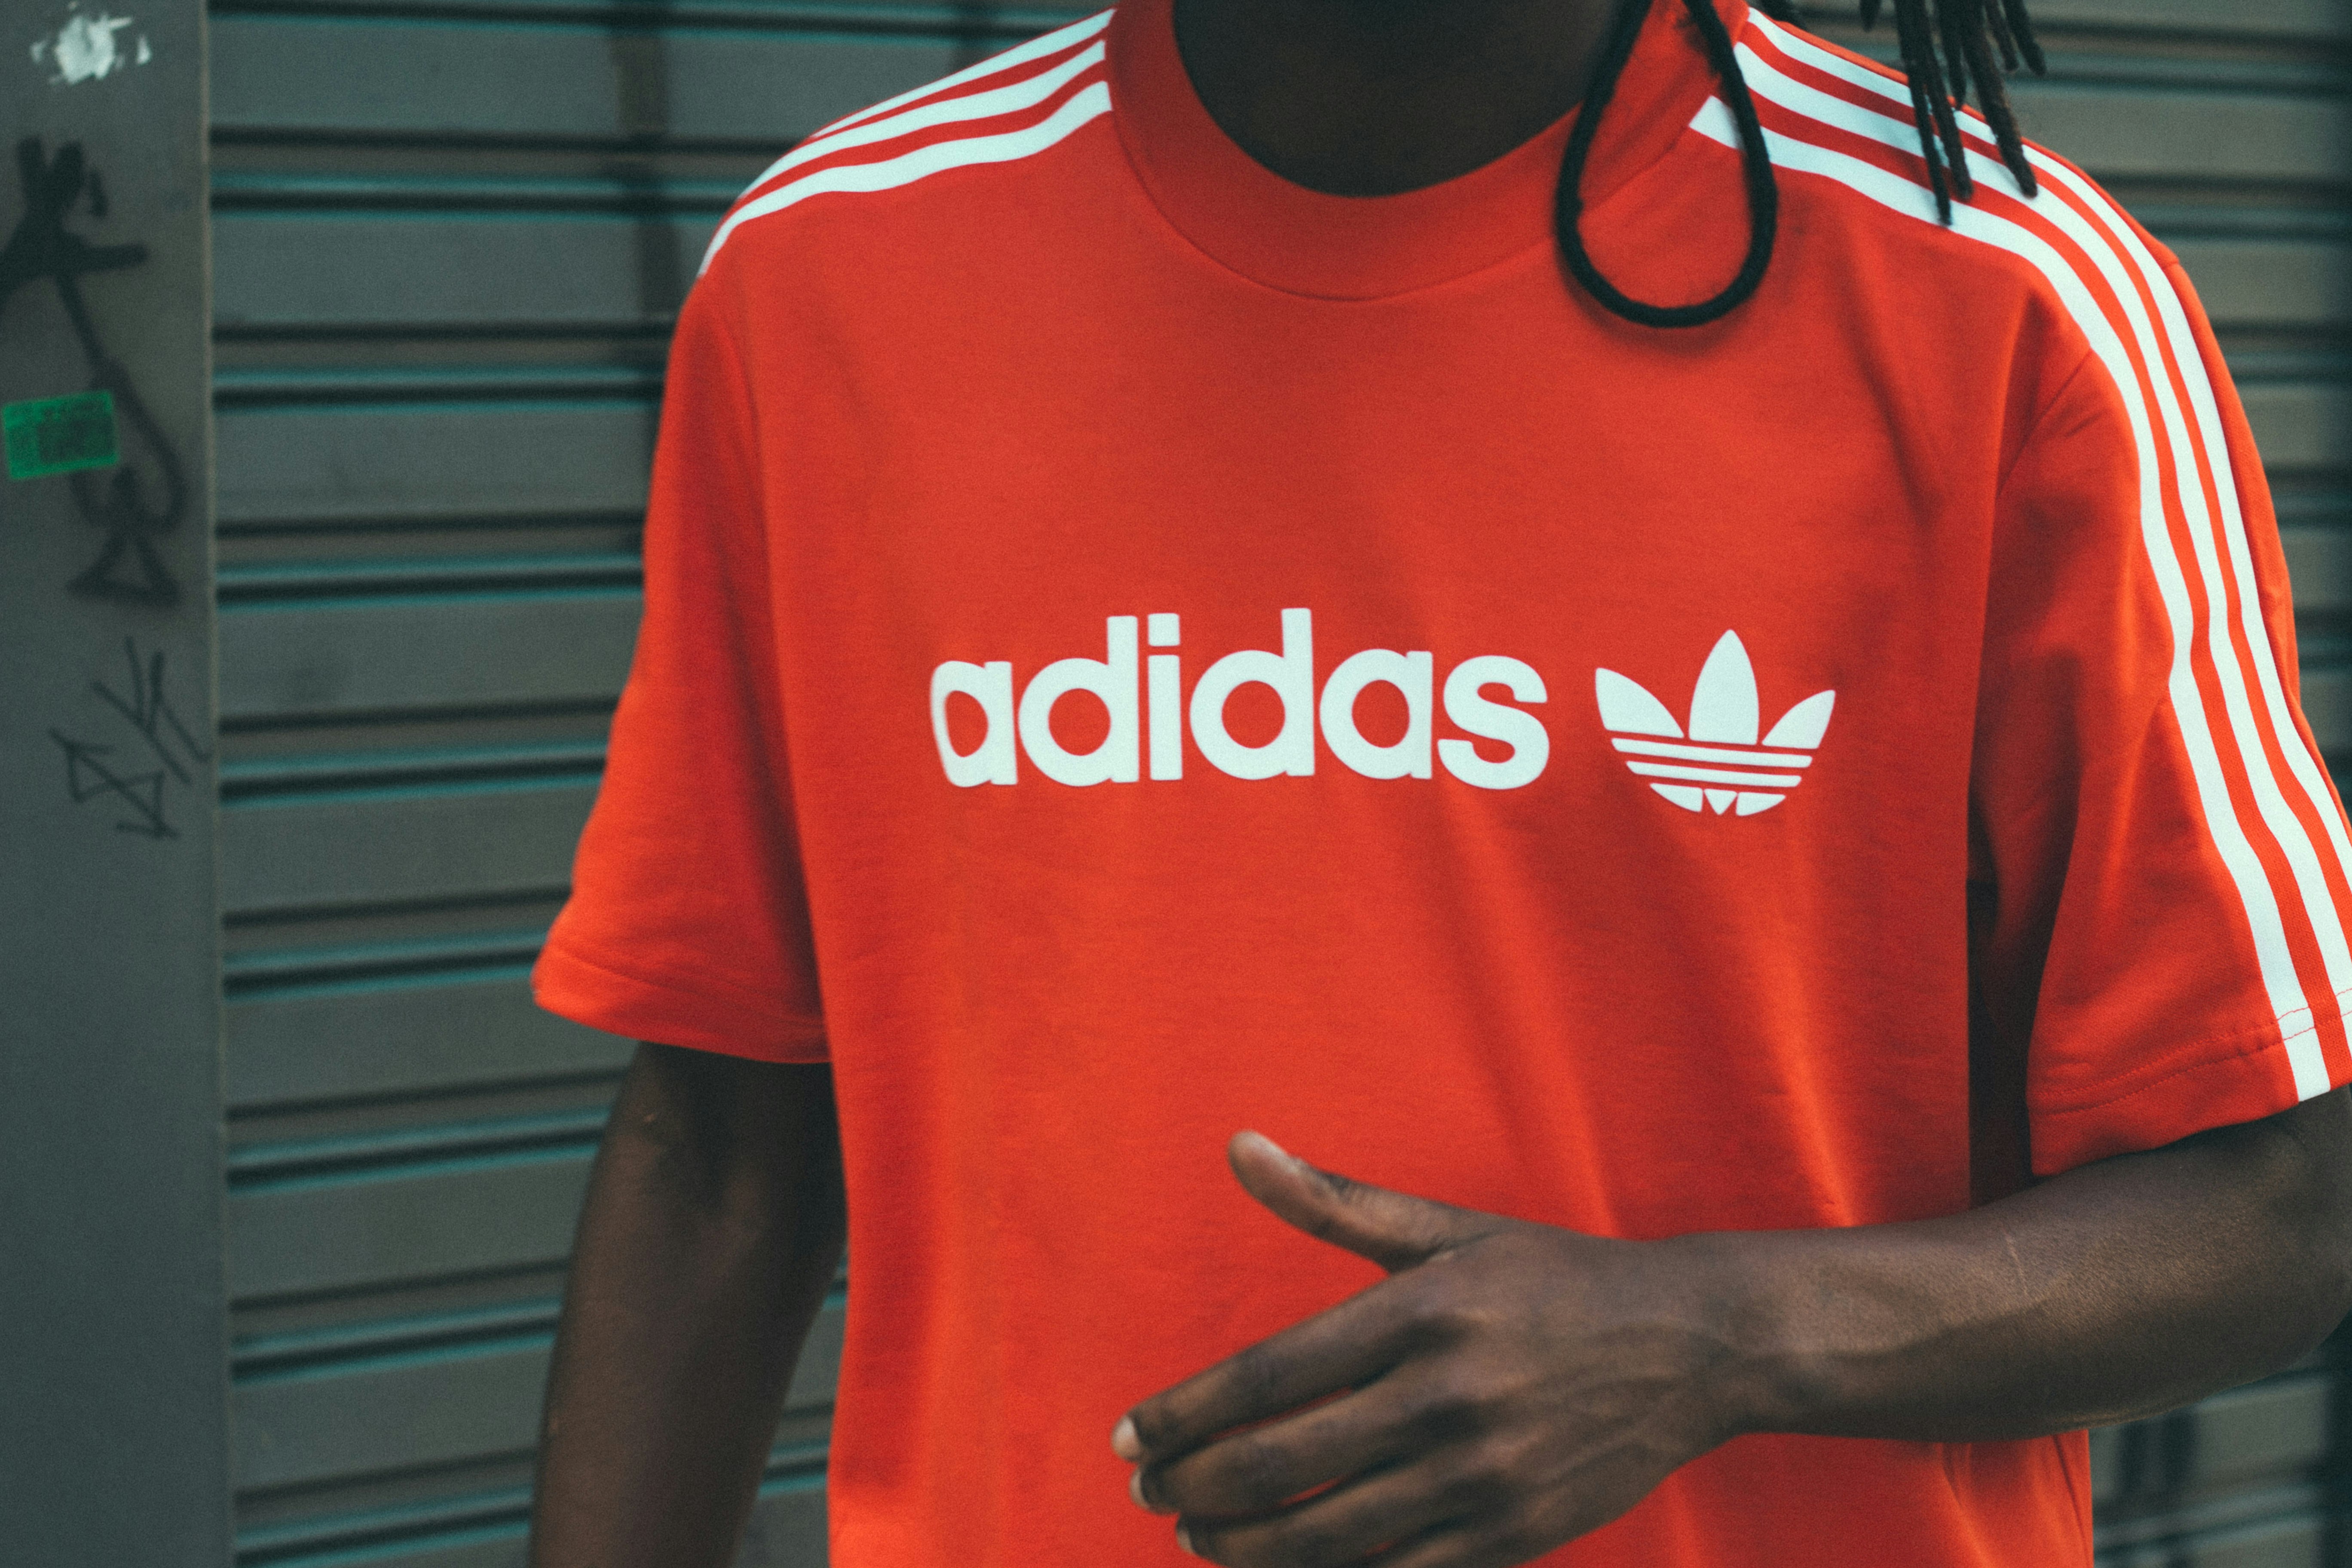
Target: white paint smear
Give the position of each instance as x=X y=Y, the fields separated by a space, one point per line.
x=86 y=49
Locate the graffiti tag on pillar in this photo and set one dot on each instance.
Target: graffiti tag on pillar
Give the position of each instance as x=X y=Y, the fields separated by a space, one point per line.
x=119 y=769
x=128 y=568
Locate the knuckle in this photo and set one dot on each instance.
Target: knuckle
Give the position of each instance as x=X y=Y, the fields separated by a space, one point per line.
x=1460 y=1316
x=1484 y=1480
x=1443 y=1313
x=1449 y=1407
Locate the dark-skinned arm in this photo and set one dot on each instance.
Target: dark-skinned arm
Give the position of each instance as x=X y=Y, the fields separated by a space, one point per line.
x=712 y=1227
x=1513 y=1386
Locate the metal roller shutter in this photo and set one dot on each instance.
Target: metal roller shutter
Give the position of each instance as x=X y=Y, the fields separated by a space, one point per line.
x=448 y=238
x=448 y=243
x=113 y=1437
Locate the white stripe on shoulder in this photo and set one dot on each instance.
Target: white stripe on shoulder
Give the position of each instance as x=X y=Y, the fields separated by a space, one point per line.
x=1025 y=93
x=2203 y=404
x=2301 y=762
x=888 y=173
x=1037 y=49
x=2274 y=959
x=2108 y=247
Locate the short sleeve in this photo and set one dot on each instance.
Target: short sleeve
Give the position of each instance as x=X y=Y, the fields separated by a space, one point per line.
x=2161 y=851
x=688 y=924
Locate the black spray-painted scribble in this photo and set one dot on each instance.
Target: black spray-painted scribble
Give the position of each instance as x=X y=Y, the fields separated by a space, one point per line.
x=128 y=568
x=92 y=772
x=88 y=777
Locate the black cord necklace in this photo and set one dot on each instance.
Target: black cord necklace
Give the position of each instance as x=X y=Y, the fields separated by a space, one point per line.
x=1756 y=163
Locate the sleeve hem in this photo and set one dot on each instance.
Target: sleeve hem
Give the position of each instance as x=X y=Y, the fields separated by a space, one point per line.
x=2247 y=1077
x=702 y=1015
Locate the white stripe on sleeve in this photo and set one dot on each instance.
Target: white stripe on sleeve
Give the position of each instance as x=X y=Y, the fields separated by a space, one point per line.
x=2273 y=958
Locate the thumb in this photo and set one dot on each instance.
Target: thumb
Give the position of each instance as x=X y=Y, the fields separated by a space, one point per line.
x=1395 y=1230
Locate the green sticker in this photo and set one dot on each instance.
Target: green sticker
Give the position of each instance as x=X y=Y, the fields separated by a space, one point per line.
x=59 y=434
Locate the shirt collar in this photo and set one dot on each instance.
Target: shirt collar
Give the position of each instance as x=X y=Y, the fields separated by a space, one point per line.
x=1362 y=247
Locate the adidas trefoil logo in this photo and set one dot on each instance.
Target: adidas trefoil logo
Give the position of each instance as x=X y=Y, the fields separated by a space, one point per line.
x=1719 y=762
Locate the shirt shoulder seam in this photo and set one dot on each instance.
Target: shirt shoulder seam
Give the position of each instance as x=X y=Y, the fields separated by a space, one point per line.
x=2083 y=363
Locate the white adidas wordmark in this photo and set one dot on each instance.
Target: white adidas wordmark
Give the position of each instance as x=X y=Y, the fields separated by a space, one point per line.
x=1143 y=698
x=1721 y=763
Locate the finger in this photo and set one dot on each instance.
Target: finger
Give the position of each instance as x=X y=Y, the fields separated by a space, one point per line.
x=1348 y=1524
x=1395 y=1230
x=1398 y=1508
x=1259 y=1469
x=1345 y=1347
x=1468 y=1543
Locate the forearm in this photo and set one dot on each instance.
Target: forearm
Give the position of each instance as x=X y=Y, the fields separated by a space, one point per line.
x=2115 y=1291
x=1554 y=1378
x=690 y=1294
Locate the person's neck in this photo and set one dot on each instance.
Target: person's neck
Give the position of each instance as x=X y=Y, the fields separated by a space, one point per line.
x=1370 y=98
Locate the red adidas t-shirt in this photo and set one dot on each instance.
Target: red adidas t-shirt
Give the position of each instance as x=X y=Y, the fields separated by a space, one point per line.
x=1135 y=649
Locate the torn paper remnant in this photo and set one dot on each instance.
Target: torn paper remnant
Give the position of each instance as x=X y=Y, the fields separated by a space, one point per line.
x=86 y=49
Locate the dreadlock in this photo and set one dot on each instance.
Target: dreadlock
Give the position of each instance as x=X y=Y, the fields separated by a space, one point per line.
x=1948 y=48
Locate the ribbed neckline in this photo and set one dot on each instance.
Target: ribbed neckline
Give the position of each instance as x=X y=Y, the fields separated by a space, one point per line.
x=1364 y=248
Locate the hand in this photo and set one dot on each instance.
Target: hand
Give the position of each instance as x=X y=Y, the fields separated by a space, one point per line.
x=1511 y=1386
